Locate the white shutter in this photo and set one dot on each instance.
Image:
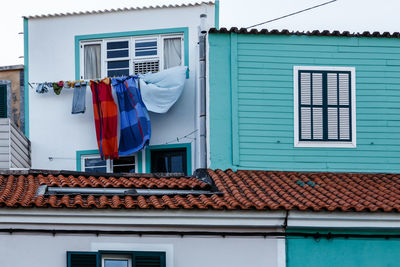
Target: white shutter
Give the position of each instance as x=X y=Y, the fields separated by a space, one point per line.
x=344 y=118
x=305 y=88
x=305 y=123
x=344 y=89
x=317 y=124
x=317 y=88
x=332 y=123
x=332 y=88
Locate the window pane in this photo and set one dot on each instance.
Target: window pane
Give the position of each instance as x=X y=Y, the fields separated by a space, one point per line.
x=172 y=52
x=98 y=169
x=117 y=45
x=332 y=123
x=344 y=118
x=117 y=53
x=146 y=48
x=317 y=88
x=332 y=88
x=124 y=164
x=115 y=263
x=118 y=64
x=305 y=123
x=92 y=61
x=91 y=162
x=169 y=160
x=146 y=53
x=117 y=73
x=317 y=124
x=305 y=88
x=343 y=89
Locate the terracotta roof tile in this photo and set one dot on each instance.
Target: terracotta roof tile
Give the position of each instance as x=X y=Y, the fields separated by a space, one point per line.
x=258 y=190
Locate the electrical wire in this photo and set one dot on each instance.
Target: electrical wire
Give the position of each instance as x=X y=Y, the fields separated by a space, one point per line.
x=291 y=14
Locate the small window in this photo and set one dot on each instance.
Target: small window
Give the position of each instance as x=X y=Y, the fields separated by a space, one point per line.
x=116 y=57
x=92 y=60
x=172 y=52
x=324 y=106
x=117 y=62
x=116 y=261
x=169 y=161
x=93 y=163
x=3 y=101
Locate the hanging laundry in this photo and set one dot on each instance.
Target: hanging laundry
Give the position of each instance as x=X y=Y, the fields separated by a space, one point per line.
x=134 y=117
x=57 y=87
x=42 y=88
x=162 y=89
x=79 y=99
x=105 y=117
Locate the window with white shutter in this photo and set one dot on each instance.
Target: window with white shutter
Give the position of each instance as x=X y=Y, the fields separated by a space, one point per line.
x=324 y=106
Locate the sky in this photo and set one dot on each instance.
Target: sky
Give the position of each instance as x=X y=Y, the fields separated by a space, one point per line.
x=350 y=15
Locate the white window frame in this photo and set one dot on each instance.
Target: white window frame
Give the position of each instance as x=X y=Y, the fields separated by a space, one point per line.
x=109 y=162
x=115 y=257
x=132 y=57
x=82 y=56
x=332 y=144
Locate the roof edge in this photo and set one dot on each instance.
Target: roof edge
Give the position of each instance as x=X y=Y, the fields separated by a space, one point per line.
x=11 y=67
x=103 y=11
x=308 y=33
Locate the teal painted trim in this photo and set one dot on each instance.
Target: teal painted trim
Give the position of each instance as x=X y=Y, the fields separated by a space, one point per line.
x=188 y=147
x=78 y=38
x=234 y=95
x=80 y=153
x=26 y=75
x=140 y=162
x=216 y=14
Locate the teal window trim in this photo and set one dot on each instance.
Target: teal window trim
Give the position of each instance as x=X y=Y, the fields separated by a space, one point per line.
x=216 y=14
x=80 y=153
x=26 y=75
x=188 y=147
x=79 y=38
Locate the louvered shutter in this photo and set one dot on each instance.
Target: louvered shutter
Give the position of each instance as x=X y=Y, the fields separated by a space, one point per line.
x=324 y=105
x=148 y=259
x=3 y=101
x=344 y=103
x=82 y=259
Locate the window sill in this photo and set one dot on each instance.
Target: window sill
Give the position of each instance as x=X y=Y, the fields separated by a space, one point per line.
x=325 y=144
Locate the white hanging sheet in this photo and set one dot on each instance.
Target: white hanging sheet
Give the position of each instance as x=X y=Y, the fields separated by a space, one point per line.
x=162 y=89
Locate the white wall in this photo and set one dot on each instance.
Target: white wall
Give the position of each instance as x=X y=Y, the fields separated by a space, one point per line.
x=54 y=131
x=46 y=250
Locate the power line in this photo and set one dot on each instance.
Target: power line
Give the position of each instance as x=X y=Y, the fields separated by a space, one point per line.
x=291 y=14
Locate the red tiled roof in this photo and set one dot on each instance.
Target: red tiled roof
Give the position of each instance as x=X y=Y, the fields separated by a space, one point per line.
x=258 y=190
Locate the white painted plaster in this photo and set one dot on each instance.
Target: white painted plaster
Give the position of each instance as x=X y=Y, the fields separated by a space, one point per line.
x=46 y=250
x=54 y=131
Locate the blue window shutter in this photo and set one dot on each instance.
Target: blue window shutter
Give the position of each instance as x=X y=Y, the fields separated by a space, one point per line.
x=148 y=259
x=83 y=259
x=3 y=101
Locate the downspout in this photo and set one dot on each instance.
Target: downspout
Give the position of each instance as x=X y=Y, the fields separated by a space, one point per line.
x=202 y=94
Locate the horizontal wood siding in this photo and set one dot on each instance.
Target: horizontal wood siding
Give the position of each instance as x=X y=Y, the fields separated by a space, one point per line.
x=20 y=148
x=4 y=144
x=265 y=102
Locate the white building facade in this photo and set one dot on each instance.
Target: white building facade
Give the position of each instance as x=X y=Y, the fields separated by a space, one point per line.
x=129 y=41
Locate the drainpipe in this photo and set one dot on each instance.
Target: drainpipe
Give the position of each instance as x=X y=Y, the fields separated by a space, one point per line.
x=202 y=77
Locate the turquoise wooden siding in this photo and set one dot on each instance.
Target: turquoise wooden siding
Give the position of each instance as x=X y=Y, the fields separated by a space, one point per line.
x=251 y=102
x=336 y=252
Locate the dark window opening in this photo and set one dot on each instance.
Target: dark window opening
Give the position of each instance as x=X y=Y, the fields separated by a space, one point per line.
x=169 y=161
